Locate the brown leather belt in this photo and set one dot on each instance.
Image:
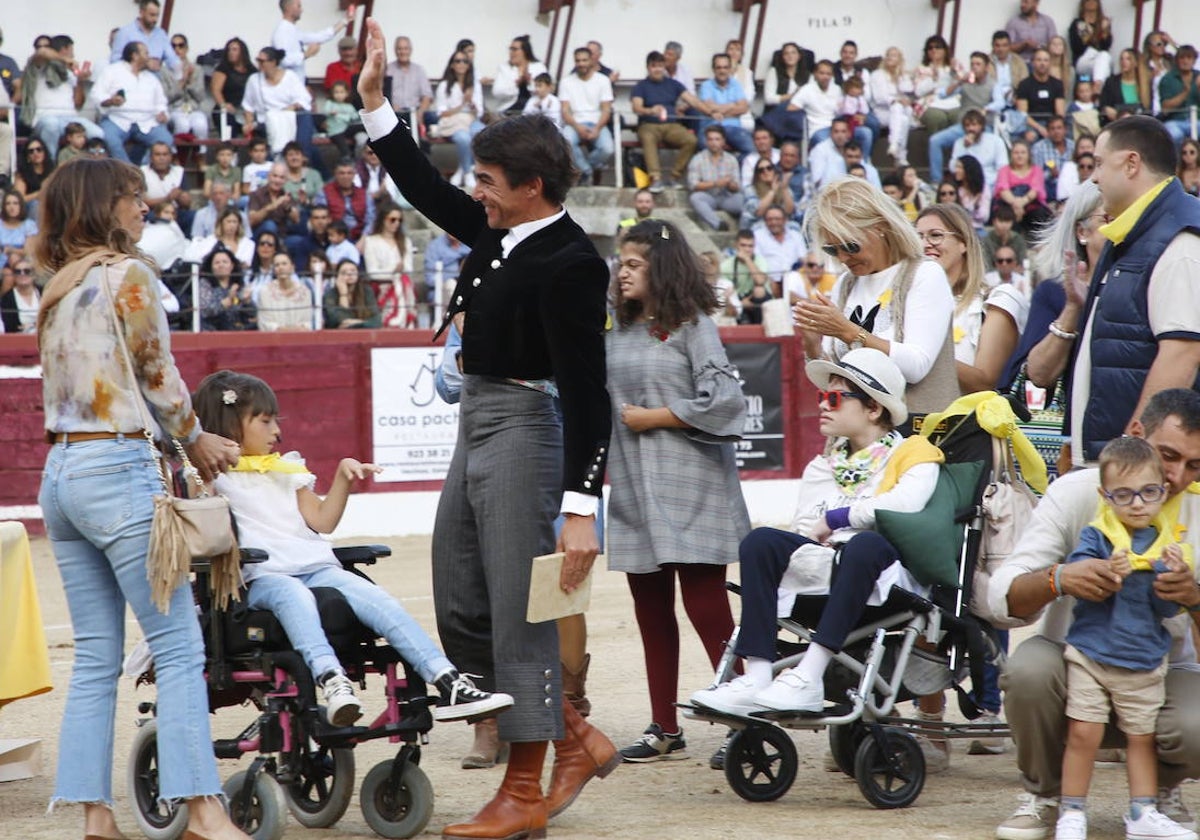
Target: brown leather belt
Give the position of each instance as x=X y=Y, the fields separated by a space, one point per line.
x=80 y=437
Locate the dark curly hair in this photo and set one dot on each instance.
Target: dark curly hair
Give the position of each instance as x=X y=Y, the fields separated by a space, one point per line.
x=680 y=290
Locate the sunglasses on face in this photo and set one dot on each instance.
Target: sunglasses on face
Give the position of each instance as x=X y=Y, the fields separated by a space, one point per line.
x=834 y=399
x=22 y=271
x=1124 y=496
x=460 y=61
x=33 y=149
x=850 y=248
x=178 y=44
x=813 y=265
x=1004 y=260
x=947 y=193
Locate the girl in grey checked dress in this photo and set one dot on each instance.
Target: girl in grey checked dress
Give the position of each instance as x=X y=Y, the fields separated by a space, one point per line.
x=676 y=510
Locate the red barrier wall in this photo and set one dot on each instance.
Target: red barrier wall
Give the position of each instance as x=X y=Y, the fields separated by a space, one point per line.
x=323 y=381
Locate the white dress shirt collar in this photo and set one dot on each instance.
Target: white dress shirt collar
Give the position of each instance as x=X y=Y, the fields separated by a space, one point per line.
x=523 y=231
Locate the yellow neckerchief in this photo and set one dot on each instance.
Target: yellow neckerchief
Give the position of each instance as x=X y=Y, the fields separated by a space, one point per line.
x=1116 y=230
x=268 y=463
x=914 y=450
x=995 y=416
x=1166 y=522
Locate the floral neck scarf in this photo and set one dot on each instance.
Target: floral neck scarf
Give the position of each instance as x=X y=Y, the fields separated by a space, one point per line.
x=852 y=471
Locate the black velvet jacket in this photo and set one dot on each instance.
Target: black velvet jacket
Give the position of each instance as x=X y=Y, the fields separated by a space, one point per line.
x=538 y=314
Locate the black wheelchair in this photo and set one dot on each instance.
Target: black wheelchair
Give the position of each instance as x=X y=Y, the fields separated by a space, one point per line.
x=302 y=765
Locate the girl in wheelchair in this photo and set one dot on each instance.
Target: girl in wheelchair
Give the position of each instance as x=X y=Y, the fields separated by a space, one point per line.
x=273 y=503
x=869 y=467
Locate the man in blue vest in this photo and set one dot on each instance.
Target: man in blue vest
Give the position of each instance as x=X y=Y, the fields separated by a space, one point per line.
x=1140 y=332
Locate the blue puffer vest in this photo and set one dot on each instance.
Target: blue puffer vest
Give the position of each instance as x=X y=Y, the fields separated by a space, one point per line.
x=1123 y=346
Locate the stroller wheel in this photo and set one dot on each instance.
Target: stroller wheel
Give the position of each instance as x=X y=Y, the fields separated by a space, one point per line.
x=891 y=777
x=843 y=744
x=320 y=791
x=396 y=808
x=264 y=817
x=760 y=763
x=156 y=821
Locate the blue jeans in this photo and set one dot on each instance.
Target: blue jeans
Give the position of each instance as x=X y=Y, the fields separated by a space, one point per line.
x=592 y=159
x=941 y=144
x=462 y=142
x=290 y=598
x=142 y=140
x=1179 y=130
x=97 y=498
x=736 y=137
x=50 y=128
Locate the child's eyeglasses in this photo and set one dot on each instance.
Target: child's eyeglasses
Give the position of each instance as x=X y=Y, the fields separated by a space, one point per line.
x=1123 y=496
x=834 y=399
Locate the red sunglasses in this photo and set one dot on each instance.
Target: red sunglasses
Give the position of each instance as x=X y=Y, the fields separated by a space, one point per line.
x=834 y=399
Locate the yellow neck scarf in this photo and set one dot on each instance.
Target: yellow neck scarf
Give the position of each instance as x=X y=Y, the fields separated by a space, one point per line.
x=268 y=463
x=1169 y=528
x=1116 y=230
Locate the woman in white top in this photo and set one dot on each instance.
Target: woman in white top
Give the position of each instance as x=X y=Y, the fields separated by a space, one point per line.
x=513 y=84
x=744 y=74
x=458 y=103
x=230 y=232
x=934 y=75
x=890 y=298
x=985 y=331
x=789 y=71
x=892 y=95
x=19 y=305
x=274 y=90
x=388 y=260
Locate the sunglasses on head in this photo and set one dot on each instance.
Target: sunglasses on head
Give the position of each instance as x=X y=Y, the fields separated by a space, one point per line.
x=850 y=248
x=834 y=399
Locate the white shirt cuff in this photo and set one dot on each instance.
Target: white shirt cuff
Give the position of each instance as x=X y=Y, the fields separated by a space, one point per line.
x=380 y=122
x=580 y=504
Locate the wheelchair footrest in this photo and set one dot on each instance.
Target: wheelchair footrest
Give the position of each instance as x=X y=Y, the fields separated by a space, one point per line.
x=787 y=717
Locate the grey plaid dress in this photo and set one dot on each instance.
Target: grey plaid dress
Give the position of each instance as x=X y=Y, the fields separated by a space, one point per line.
x=676 y=496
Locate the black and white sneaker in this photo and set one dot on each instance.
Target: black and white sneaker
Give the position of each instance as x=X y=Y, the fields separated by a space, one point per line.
x=656 y=745
x=341 y=706
x=461 y=699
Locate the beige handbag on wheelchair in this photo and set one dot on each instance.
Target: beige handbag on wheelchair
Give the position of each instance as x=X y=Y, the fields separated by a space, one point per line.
x=1008 y=505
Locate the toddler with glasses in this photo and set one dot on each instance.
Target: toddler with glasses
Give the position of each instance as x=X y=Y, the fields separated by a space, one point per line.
x=1117 y=647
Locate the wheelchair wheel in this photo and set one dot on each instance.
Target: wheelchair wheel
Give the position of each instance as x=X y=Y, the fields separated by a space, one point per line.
x=843 y=744
x=396 y=810
x=265 y=817
x=324 y=782
x=892 y=778
x=760 y=763
x=155 y=820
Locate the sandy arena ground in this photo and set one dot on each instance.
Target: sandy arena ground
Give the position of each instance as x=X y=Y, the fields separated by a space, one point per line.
x=665 y=800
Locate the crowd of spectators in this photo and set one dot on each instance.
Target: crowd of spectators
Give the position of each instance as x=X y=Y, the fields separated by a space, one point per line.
x=1009 y=131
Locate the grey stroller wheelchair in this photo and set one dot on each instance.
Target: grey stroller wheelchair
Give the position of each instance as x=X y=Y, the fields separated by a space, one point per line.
x=302 y=765
x=908 y=647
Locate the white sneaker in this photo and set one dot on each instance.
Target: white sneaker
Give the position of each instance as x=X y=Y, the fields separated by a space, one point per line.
x=1170 y=805
x=1031 y=820
x=791 y=692
x=1072 y=825
x=1153 y=824
x=341 y=706
x=735 y=697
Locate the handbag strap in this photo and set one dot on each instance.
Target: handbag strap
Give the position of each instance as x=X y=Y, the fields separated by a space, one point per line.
x=140 y=401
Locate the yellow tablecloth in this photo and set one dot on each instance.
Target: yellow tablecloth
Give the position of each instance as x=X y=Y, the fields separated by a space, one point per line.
x=24 y=659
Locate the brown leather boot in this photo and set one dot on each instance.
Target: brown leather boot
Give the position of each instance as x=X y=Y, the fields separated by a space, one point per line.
x=518 y=809
x=583 y=754
x=488 y=750
x=575 y=686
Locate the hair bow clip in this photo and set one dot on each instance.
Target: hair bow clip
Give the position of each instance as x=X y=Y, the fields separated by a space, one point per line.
x=229 y=396
x=664 y=233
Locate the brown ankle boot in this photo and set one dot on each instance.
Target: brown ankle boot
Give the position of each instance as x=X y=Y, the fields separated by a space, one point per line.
x=583 y=754
x=575 y=686
x=488 y=749
x=518 y=809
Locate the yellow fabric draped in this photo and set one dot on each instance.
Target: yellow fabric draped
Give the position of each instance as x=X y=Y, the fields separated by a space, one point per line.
x=1170 y=530
x=995 y=416
x=268 y=463
x=914 y=450
x=24 y=658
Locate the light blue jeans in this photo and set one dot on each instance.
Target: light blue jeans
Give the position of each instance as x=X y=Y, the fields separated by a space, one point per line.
x=142 y=140
x=97 y=498
x=290 y=598
x=462 y=142
x=50 y=128
x=597 y=157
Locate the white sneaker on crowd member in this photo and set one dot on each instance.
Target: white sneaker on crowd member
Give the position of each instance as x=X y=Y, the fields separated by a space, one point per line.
x=735 y=697
x=791 y=692
x=1032 y=819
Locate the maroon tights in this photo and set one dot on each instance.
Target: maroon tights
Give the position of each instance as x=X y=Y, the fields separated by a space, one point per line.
x=707 y=606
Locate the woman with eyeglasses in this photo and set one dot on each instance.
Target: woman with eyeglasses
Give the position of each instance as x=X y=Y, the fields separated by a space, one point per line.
x=1063 y=255
x=1189 y=166
x=16 y=226
x=184 y=87
x=1074 y=171
x=33 y=170
x=262 y=270
x=1124 y=91
x=947 y=192
x=767 y=190
x=890 y=298
x=19 y=305
x=388 y=259
x=228 y=85
x=1156 y=62
x=932 y=77
x=513 y=83
x=862 y=402
x=458 y=103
